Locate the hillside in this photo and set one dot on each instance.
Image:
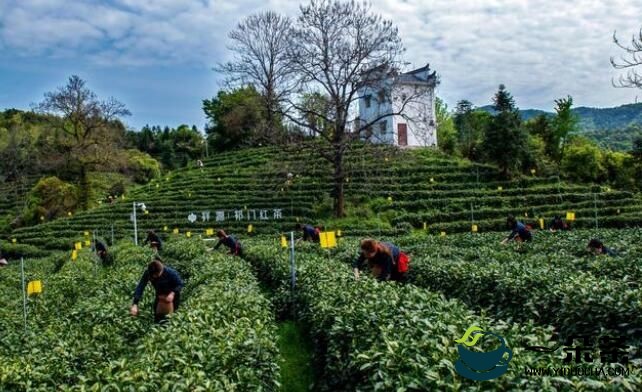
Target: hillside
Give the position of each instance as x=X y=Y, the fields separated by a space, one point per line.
x=387 y=191
x=611 y=127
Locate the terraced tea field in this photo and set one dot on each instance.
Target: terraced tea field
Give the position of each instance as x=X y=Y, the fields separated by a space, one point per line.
x=388 y=192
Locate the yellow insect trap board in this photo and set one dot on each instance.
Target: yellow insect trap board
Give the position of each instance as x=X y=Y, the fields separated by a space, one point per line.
x=34 y=287
x=328 y=239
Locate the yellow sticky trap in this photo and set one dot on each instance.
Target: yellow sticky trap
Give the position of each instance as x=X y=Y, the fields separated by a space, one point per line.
x=328 y=240
x=87 y=243
x=86 y=234
x=570 y=216
x=541 y=223
x=474 y=229
x=146 y=212
x=386 y=159
x=443 y=233
x=13 y=240
x=34 y=287
x=284 y=242
x=348 y=179
x=526 y=214
x=175 y=231
x=425 y=226
x=338 y=233
x=157 y=185
x=69 y=214
x=165 y=228
x=500 y=188
x=188 y=234
x=74 y=255
x=78 y=246
x=209 y=232
x=43 y=218
x=250 y=228
x=390 y=199
x=533 y=171
x=432 y=179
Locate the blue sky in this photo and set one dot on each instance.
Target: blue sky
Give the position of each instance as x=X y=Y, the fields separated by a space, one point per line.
x=156 y=56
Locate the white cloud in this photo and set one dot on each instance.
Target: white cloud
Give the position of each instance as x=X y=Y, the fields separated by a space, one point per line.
x=541 y=49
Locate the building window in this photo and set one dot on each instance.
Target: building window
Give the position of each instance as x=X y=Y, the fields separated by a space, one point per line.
x=382 y=96
x=383 y=127
x=368 y=99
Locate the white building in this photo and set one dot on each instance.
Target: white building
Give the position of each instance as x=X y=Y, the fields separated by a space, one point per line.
x=411 y=96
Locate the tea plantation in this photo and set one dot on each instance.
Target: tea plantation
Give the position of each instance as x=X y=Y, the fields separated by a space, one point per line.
x=388 y=191
x=360 y=335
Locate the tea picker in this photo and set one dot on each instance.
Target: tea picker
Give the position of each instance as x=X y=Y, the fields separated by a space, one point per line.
x=168 y=285
x=154 y=241
x=386 y=261
x=231 y=242
x=558 y=224
x=103 y=253
x=310 y=233
x=519 y=231
x=596 y=247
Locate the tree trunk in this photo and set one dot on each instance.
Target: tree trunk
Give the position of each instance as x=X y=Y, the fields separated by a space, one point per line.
x=338 y=186
x=84 y=188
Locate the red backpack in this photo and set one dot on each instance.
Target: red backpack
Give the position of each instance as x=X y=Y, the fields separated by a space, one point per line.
x=404 y=261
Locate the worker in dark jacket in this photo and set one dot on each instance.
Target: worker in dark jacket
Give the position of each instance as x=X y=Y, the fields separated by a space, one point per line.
x=596 y=247
x=519 y=232
x=310 y=233
x=558 y=224
x=382 y=258
x=154 y=241
x=230 y=241
x=103 y=253
x=167 y=284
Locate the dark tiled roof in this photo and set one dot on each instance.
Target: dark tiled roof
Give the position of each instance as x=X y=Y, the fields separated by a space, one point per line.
x=414 y=78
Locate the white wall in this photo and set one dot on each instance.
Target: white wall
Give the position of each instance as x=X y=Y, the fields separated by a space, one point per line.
x=418 y=113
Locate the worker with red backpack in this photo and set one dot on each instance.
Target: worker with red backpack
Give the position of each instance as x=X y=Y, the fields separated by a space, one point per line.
x=310 y=233
x=386 y=261
x=235 y=245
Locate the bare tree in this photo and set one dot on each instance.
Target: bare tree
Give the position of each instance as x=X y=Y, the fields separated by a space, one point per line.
x=85 y=124
x=259 y=43
x=340 y=51
x=630 y=61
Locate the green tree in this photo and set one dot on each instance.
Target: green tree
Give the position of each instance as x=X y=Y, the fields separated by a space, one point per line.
x=563 y=125
x=83 y=129
x=583 y=160
x=235 y=118
x=636 y=151
x=446 y=135
x=619 y=169
x=505 y=141
x=470 y=126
